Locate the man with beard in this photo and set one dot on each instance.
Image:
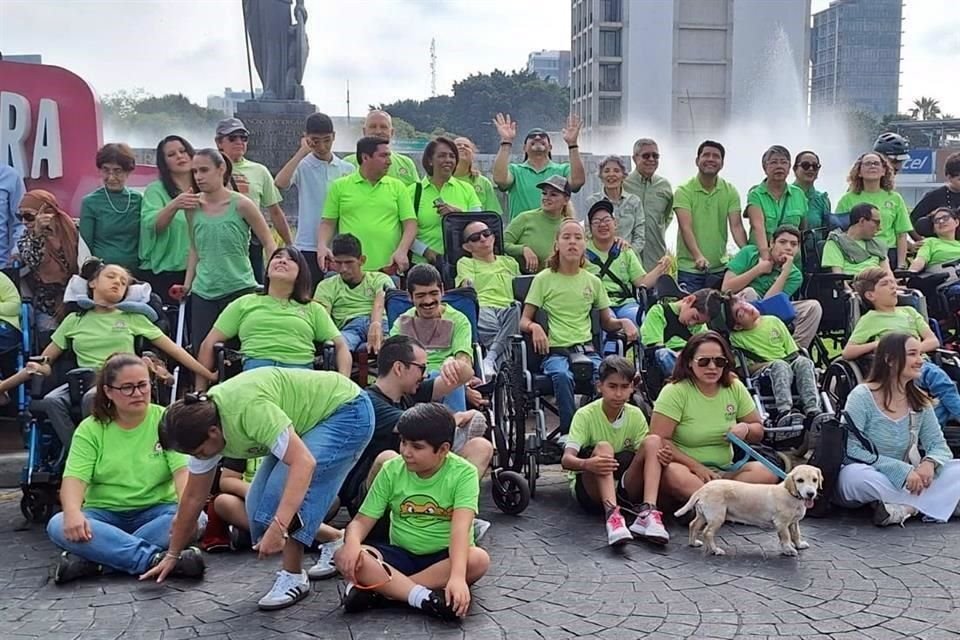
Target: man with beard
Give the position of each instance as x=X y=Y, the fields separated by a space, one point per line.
x=773 y=202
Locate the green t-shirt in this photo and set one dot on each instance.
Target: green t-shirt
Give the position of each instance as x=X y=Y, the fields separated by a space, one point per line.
x=168 y=249
x=96 y=335
x=709 y=211
x=461 y=340
x=894 y=215
x=262 y=190
x=9 y=302
x=110 y=225
x=523 y=192
x=124 y=469
x=493 y=281
x=936 y=251
x=534 y=229
x=344 y=303
x=702 y=422
x=261 y=320
x=590 y=425
x=833 y=257
x=748 y=257
x=402 y=168
x=257 y=406
x=818 y=206
x=374 y=213
x=791 y=208
x=769 y=340
x=568 y=301
x=485 y=192
x=421 y=509
x=654 y=327
x=626 y=266
x=873 y=325
x=456 y=193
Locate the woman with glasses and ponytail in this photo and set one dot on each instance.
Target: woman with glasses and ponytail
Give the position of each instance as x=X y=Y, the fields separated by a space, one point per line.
x=694 y=412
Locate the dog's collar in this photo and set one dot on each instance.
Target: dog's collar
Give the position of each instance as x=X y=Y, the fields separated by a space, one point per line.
x=796 y=495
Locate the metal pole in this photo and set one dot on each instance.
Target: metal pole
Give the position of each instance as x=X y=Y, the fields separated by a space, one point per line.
x=246 y=42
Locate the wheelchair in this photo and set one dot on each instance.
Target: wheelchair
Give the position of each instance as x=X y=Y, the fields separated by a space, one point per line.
x=452 y=228
x=827 y=288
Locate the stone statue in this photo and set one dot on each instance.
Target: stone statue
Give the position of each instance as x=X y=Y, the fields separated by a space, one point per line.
x=279 y=46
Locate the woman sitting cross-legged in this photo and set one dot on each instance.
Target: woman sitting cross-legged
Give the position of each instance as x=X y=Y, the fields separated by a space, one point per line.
x=119 y=491
x=897 y=421
x=694 y=412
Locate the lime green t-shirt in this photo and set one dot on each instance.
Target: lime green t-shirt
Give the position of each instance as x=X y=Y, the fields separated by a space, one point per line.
x=94 y=336
x=523 y=192
x=9 y=302
x=421 y=509
x=401 y=168
x=485 y=192
x=873 y=325
x=456 y=193
x=344 y=303
x=590 y=425
x=654 y=327
x=568 y=301
x=936 y=251
x=626 y=266
x=833 y=257
x=165 y=250
x=534 y=229
x=493 y=281
x=791 y=208
x=894 y=215
x=124 y=469
x=274 y=330
x=702 y=422
x=257 y=406
x=769 y=340
x=709 y=211
x=262 y=190
x=374 y=213
x=461 y=340
x=748 y=257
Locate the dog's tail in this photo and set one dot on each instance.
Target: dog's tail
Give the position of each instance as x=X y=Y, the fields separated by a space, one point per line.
x=691 y=503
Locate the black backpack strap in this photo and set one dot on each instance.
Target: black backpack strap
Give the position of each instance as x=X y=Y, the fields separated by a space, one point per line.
x=417 y=195
x=605 y=271
x=674 y=328
x=864 y=440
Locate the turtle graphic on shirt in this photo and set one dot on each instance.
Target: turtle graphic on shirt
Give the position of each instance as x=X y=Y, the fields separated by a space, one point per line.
x=422 y=505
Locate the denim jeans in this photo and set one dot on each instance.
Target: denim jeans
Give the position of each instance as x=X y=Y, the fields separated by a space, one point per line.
x=336 y=445
x=938 y=384
x=456 y=400
x=256 y=363
x=666 y=359
x=691 y=281
x=628 y=311
x=558 y=368
x=125 y=541
x=355 y=332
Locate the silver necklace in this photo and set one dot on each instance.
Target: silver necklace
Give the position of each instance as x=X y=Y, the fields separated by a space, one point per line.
x=110 y=202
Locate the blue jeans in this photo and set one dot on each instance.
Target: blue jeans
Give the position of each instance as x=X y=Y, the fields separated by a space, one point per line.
x=666 y=359
x=692 y=281
x=336 y=445
x=355 y=332
x=628 y=311
x=456 y=400
x=125 y=541
x=938 y=384
x=256 y=363
x=558 y=368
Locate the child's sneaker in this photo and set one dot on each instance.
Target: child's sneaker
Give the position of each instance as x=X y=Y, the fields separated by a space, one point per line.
x=649 y=525
x=356 y=600
x=325 y=566
x=617 y=532
x=436 y=606
x=289 y=588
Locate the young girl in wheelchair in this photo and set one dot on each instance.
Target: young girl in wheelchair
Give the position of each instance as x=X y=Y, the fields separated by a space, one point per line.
x=568 y=294
x=942 y=248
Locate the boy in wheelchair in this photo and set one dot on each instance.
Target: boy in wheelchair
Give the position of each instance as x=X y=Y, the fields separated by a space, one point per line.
x=878 y=287
x=669 y=324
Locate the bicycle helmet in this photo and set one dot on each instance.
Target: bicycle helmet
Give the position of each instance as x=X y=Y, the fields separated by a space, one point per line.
x=892 y=145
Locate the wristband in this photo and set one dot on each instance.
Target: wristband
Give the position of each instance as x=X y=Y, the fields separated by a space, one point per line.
x=573 y=146
x=175 y=556
x=504 y=142
x=283 y=529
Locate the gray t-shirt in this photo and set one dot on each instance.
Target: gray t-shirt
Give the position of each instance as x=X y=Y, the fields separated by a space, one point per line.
x=312 y=177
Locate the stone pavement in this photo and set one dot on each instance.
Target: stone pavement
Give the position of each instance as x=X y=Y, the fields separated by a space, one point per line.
x=552 y=578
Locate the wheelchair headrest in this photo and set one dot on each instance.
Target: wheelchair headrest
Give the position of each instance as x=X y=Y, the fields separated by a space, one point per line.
x=454 y=224
x=463 y=299
x=667 y=289
x=521 y=287
x=837 y=221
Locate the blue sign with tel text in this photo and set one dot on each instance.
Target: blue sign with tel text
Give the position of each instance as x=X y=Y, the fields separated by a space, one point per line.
x=920 y=162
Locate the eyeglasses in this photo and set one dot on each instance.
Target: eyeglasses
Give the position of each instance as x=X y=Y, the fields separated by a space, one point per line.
x=538 y=136
x=106 y=171
x=475 y=237
x=809 y=166
x=650 y=155
x=130 y=389
x=422 y=367
x=233 y=137
x=27 y=216
x=871 y=163
x=719 y=361
x=942 y=219
x=602 y=220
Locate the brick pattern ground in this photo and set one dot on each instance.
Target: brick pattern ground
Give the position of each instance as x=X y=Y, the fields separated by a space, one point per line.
x=552 y=578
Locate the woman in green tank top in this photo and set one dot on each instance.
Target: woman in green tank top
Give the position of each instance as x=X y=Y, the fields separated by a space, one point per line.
x=218 y=266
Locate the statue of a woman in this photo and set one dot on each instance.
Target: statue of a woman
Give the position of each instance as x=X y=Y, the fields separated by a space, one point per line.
x=279 y=46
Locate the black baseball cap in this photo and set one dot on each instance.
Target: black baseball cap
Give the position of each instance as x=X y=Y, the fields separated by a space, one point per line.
x=599 y=205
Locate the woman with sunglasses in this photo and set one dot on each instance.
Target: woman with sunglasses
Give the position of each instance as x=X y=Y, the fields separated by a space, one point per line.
x=806 y=170
x=627 y=207
x=467 y=172
x=120 y=489
x=703 y=402
x=48 y=250
x=944 y=247
x=871 y=181
x=110 y=216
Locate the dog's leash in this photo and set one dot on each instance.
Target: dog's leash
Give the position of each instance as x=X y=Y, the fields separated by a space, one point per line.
x=747 y=449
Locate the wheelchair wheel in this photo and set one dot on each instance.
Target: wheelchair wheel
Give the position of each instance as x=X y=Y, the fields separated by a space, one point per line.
x=511 y=493
x=839 y=380
x=36 y=505
x=533 y=470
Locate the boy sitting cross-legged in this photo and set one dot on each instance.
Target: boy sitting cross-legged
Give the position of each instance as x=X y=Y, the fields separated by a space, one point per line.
x=612 y=458
x=432 y=496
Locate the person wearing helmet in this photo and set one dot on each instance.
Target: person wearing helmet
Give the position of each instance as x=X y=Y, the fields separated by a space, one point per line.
x=895 y=147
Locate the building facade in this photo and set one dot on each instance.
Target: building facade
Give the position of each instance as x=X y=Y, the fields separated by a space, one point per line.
x=227 y=103
x=552 y=66
x=855 y=56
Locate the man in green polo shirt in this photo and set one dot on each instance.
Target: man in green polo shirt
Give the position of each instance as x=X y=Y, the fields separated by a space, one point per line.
x=372 y=206
x=657 y=196
x=773 y=202
x=379 y=124
x=705 y=206
x=520 y=180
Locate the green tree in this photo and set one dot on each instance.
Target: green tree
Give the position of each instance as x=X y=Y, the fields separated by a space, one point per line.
x=925 y=108
x=141 y=118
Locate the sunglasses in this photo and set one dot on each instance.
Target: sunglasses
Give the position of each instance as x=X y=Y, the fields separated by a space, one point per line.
x=538 y=136
x=475 y=237
x=650 y=155
x=719 y=361
x=809 y=166
x=130 y=389
x=27 y=216
x=422 y=367
x=233 y=137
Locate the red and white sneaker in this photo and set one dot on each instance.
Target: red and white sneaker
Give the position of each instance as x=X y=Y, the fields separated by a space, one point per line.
x=649 y=525
x=617 y=532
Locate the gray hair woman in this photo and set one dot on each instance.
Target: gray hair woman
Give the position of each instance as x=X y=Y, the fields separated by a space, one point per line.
x=627 y=207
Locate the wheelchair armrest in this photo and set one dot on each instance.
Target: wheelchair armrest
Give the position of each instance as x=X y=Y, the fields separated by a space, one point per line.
x=36 y=386
x=925 y=280
x=827 y=276
x=903 y=274
x=951 y=264
x=79 y=380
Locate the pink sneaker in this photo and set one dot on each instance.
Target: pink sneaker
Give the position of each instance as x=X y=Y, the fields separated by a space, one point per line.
x=649 y=525
x=617 y=532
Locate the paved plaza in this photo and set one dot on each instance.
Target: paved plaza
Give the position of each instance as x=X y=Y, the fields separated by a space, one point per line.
x=552 y=577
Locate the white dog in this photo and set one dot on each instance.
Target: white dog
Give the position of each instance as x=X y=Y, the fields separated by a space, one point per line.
x=781 y=505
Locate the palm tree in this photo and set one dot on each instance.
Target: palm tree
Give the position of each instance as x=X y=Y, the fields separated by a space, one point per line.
x=925 y=108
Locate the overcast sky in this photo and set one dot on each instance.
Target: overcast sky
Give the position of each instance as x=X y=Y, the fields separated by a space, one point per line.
x=196 y=47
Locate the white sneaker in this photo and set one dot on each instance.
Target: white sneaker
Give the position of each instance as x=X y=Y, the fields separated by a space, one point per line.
x=289 y=588
x=489 y=370
x=649 y=524
x=325 y=567
x=617 y=532
x=480 y=528
x=886 y=514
